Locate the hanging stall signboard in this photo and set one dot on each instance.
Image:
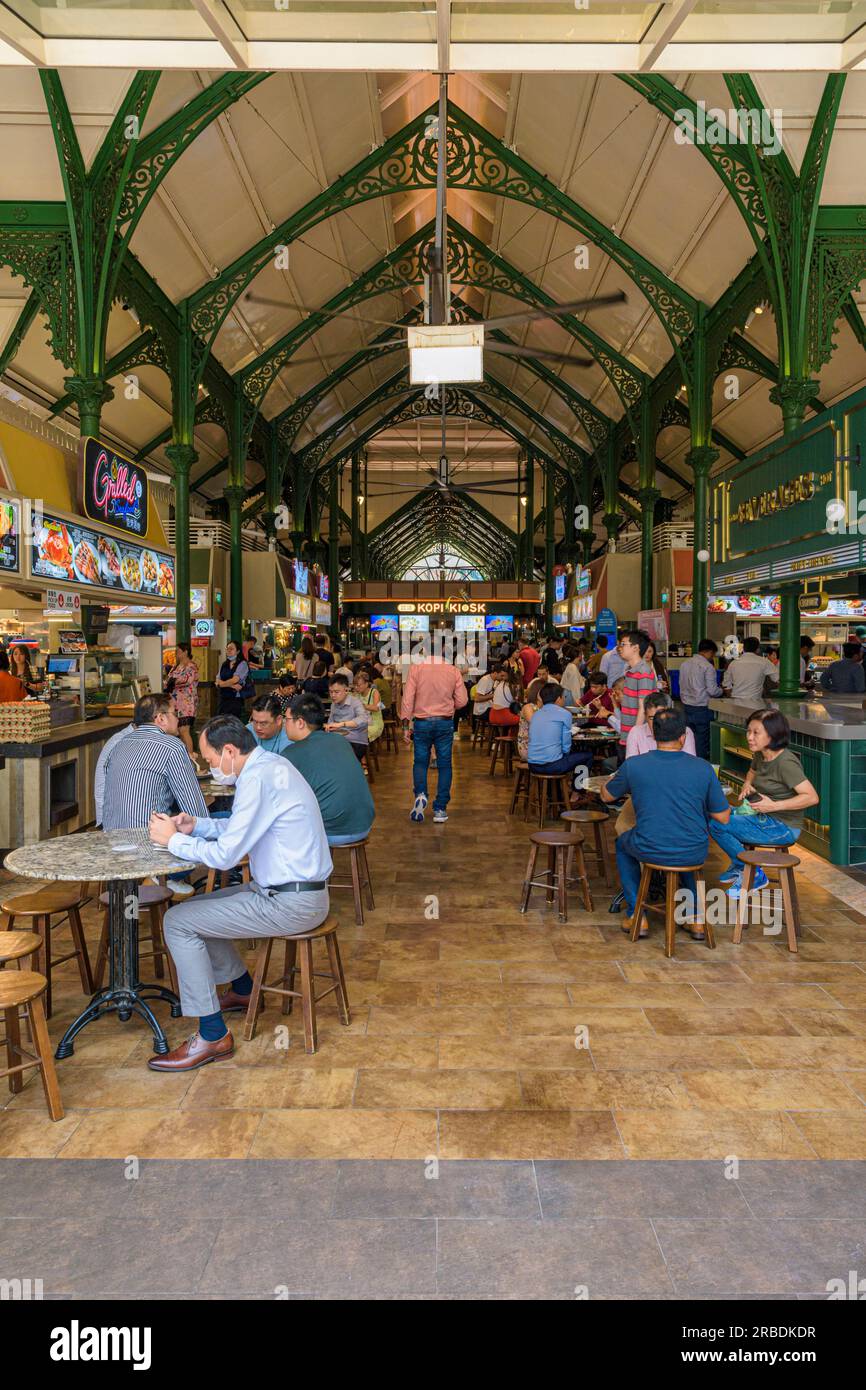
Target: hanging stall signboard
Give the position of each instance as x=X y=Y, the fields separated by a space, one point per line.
x=10 y=536
x=300 y=608
x=113 y=489
x=62 y=550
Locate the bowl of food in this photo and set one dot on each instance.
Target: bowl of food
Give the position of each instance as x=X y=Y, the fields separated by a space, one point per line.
x=109 y=560
x=149 y=571
x=165 y=582
x=85 y=563
x=130 y=573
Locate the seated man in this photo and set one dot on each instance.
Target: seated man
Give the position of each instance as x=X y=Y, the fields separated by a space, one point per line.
x=596 y=702
x=550 y=747
x=348 y=716
x=674 y=797
x=542 y=678
x=641 y=738
x=266 y=724
x=276 y=820
x=326 y=761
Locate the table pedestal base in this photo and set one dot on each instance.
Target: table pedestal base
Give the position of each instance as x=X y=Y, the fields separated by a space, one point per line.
x=125 y=995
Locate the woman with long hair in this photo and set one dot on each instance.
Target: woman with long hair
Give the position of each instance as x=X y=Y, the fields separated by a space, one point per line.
x=232 y=678
x=184 y=691
x=507 y=698
x=305 y=659
x=19 y=665
x=774 y=796
x=371 y=700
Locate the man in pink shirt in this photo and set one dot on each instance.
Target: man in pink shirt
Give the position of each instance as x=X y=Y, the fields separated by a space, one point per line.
x=434 y=690
x=641 y=738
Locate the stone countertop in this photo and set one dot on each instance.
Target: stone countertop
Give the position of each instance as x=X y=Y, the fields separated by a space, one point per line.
x=833 y=720
x=65 y=737
x=74 y=858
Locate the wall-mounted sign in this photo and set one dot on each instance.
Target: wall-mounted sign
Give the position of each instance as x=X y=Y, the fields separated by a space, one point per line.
x=437 y=606
x=583 y=608
x=10 y=535
x=62 y=550
x=323 y=613
x=605 y=624
x=198 y=599
x=324 y=592
x=560 y=615
x=302 y=577
x=812 y=603
x=560 y=584
x=582 y=580
x=654 y=622
x=61 y=601
x=300 y=608
x=114 y=490
x=204 y=627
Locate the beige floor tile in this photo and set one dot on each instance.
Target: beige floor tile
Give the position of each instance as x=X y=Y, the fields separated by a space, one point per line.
x=29 y=1134
x=603 y=1090
x=459 y=1089
x=658 y=1053
x=787 y=1089
x=508 y=1053
x=439 y=1022
x=716 y=1134
x=598 y=1019
x=163 y=1134
x=684 y=1022
x=346 y=1134
x=271 y=1088
x=835 y=1136
x=529 y=1134
x=110 y=1088
x=827 y=1054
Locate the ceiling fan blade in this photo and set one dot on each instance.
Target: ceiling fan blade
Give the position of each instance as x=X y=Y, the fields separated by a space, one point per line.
x=494 y=482
x=251 y=298
x=540 y=354
x=576 y=306
x=388 y=346
x=492 y=492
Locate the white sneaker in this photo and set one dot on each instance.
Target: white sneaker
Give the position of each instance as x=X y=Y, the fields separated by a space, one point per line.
x=420 y=806
x=181 y=889
x=439 y=817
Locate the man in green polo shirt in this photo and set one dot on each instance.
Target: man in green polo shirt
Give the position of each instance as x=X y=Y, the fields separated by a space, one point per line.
x=327 y=763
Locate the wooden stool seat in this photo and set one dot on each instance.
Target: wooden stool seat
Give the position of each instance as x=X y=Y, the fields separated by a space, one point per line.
x=57 y=900
x=15 y=944
x=521 y=787
x=152 y=898
x=390 y=735
x=598 y=820
x=563 y=848
x=211 y=882
x=556 y=796
x=24 y=989
x=282 y=985
x=503 y=746
x=783 y=864
x=360 y=871
x=671 y=874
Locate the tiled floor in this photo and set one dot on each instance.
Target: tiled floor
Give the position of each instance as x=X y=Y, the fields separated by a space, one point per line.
x=466 y=1017
x=404 y=1230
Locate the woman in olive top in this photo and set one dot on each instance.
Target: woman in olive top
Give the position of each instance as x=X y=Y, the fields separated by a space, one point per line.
x=371 y=699
x=775 y=794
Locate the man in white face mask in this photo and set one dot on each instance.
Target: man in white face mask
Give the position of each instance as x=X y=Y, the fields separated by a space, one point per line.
x=276 y=821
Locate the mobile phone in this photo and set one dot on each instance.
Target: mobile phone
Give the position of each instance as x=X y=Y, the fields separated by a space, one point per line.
x=753 y=797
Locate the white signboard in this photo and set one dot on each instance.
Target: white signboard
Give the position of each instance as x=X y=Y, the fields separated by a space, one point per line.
x=60 y=601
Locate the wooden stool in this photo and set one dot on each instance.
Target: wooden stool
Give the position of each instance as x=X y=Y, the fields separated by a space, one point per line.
x=671 y=874
x=562 y=849
x=154 y=898
x=521 y=788
x=785 y=864
x=360 y=877
x=45 y=903
x=282 y=985
x=503 y=746
x=372 y=756
x=598 y=820
x=558 y=791
x=391 y=741
x=24 y=989
x=15 y=945
x=477 y=729
x=244 y=866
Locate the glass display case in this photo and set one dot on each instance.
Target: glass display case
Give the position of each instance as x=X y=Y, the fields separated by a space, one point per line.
x=88 y=685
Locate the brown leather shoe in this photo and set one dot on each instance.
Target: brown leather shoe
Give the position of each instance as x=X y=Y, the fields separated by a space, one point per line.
x=195 y=1052
x=231 y=1003
x=644 y=926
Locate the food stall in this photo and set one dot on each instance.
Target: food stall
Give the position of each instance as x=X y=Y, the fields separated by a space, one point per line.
x=60 y=571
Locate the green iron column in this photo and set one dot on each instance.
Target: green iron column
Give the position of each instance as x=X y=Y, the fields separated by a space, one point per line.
x=648 y=497
x=182 y=457
x=529 y=521
x=235 y=495
x=355 y=570
x=701 y=461
x=90 y=395
x=334 y=550
x=789 y=641
x=549 y=546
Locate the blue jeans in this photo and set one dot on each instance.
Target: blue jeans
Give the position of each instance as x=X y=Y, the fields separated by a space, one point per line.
x=346 y=839
x=578 y=757
x=427 y=734
x=699 y=719
x=628 y=861
x=750 y=830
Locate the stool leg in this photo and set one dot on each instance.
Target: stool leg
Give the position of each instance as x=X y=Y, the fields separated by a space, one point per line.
x=43 y=927
x=245 y=873
x=790 y=907
x=308 y=1000
x=743 y=903
x=262 y=962
x=515 y=792
x=290 y=961
x=561 y=883
x=494 y=755
x=530 y=874
x=701 y=887
x=642 y=894
x=210 y=881
x=81 y=950
x=565 y=792
x=8 y=922
x=367 y=881
x=577 y=851
x=356 y=887
x=671 y=881
x=101 y=954
x=542 y=801
x=42 y=1045
x=156 y=938
x=13 y=1044
x=551 y=872
x=338 y=977
x=601 y=852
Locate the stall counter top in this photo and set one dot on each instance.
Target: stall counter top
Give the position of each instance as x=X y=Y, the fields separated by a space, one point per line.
x=826 y=719
x=66 y=736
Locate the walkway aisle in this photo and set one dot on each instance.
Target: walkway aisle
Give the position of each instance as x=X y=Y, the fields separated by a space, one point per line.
x=462 y=1043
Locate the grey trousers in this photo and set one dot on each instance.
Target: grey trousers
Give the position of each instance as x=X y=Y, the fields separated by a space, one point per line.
x=200 y=934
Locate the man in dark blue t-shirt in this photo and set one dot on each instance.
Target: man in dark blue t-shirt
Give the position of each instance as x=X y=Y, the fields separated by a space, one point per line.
x=674 y=797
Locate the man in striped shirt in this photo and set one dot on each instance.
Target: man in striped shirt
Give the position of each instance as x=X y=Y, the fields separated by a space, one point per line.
x=640 y=681
x=149 y=770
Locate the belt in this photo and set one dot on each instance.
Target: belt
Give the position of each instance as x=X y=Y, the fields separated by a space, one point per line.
x=296 y=887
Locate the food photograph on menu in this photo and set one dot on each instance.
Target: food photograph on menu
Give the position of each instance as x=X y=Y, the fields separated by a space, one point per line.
x=10 y=531
x=64 y=551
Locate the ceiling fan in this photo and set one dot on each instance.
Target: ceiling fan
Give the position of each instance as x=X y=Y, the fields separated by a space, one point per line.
x=441 y=352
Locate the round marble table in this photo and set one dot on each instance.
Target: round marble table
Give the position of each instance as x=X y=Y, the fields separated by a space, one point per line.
x=119 y=859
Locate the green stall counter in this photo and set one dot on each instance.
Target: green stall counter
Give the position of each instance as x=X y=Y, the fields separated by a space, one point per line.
x=829 y=738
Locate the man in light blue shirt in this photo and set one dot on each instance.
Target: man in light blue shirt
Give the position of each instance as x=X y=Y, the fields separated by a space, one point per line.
x=613 y=664
x=550 y=745
x=266 y=724
x=276 y=820
x=699 y=683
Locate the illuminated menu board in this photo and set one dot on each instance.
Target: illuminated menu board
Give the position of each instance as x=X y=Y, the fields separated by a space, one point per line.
x=74 y=554
x=10 y=535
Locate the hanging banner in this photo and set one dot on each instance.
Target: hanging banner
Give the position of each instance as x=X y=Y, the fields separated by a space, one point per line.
x=113 y=489
x=606 y=624
x=654 y=622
